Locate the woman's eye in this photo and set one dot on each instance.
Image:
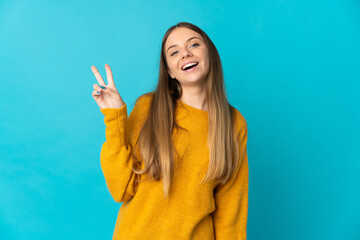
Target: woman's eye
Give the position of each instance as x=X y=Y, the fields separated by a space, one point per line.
x=195 y=44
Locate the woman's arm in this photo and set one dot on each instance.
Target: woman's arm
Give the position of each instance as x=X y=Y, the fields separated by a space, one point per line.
x=116 y=156
x=231 y=198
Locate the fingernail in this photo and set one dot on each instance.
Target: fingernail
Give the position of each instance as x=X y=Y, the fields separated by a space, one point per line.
x=102 y=87
x=97 y=92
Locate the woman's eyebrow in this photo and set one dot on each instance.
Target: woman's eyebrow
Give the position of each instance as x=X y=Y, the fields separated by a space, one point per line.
x=186 y=41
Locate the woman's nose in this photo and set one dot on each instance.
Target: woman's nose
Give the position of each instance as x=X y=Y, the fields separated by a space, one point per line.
x=186 y=53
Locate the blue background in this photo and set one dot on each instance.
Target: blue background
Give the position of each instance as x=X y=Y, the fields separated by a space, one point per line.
x=292 y=68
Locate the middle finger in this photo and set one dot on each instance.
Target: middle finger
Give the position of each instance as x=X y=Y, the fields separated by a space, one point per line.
x=109 y=75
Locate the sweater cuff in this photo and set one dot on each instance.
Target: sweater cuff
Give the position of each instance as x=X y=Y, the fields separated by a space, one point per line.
x=116 y=123
x=113 y=113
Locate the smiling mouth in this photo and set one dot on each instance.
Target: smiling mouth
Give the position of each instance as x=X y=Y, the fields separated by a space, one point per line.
x=188 y=68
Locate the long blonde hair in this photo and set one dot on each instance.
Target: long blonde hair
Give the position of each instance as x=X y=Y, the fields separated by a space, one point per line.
x=154 y=141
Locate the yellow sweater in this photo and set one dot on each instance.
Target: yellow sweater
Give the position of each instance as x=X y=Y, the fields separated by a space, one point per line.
x=192 y=211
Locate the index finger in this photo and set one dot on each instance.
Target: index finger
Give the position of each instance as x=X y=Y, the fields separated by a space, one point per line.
x=98 y=76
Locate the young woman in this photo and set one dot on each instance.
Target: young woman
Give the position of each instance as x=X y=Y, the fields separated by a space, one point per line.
x=179 y=161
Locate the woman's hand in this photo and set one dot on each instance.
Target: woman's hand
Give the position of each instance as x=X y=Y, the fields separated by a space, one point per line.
x=108 y=97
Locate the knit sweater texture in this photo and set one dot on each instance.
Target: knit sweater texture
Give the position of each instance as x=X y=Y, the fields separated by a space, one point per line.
x=192 y=211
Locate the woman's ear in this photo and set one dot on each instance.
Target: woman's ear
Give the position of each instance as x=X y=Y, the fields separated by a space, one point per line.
x=171 y=75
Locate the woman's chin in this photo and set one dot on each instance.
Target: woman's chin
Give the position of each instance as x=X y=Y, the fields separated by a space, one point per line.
x=190 y=80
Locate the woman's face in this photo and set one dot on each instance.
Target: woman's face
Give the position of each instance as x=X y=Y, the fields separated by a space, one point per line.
x=185 y=46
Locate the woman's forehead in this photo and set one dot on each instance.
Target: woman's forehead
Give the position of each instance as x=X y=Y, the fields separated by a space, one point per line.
x=179 y=35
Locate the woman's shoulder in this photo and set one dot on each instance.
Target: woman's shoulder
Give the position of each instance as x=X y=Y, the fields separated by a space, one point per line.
x=240 y=120
x=142 y=104
x=140 y=111
x=145 y=98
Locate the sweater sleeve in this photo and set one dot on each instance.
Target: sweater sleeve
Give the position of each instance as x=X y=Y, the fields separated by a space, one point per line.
x=116 y=157
x=231 y=198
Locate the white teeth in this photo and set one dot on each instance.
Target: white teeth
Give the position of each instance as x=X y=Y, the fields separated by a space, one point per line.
x=189 y=64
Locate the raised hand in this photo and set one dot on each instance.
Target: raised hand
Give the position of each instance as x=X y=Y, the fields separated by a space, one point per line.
x=108 y=97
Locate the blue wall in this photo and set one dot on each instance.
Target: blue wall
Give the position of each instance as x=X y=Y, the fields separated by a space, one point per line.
x=292 y=68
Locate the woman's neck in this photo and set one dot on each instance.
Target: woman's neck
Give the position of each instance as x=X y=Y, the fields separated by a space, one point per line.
x=195 y=97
